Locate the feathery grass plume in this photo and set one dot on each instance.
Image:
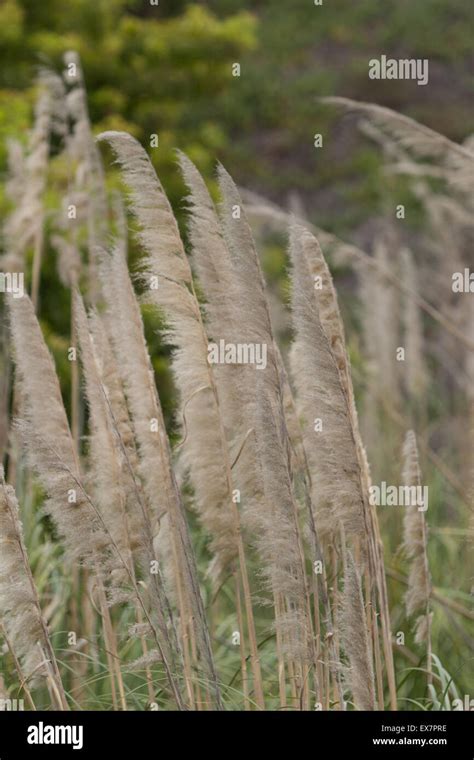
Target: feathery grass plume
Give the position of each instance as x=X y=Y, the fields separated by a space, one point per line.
x=269 y=446
x=5 y=380
x=381 y=312
x=158 y=233
x=105 y=462
x=458 y=175
x=15 y=178
x=246 y=266
x=113 y=480
x=155 y=456
x=469 y=365
x=446 y=216
x=52 y=455
x=249 y=322
x=209 y=251
x=120 y=234
x=137 y=510
x=124 y=324
x=3 y=694
x=69 y=258
x=298 y=464
x=83 y=148
x=333 y=327
x=279 y=539
x=455 y=159
x=24 y=226
x=330 y=322
x=215 y=275
x=343 y=254
x=278 y=543
x=415 y=543
x=450 y=228
x=88 y=192
x=414 y=136
x=331 y=451
x=15 y=232
x=86 y=183
x=399 y=161
x=204 y=449
x=116 y=402
x=44 y=430
x=47 y=438
x=330 y=316
x=416 y=377
x=355 y=639
x=108 y=404
x=167 y=264
x=20 y=610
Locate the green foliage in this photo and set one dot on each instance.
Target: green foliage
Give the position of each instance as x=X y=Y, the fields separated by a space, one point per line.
x=150 y=74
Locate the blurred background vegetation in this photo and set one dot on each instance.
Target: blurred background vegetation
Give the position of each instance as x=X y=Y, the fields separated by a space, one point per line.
x=167 y=70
